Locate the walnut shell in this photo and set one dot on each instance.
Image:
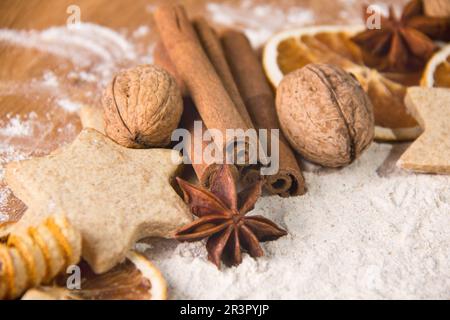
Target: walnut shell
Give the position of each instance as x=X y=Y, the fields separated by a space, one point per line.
x=142 y=106
x=325 y=114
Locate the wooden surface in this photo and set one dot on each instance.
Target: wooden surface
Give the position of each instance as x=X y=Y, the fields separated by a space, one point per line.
x=21 y=66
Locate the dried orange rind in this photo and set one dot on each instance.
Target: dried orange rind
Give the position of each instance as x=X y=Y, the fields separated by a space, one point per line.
x=36 y=255
x=32 y=256
x=55 y=258
x=6 y=273
x=437 y=70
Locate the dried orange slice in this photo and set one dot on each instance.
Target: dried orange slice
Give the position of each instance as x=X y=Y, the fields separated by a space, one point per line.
x=135 y=279
x=293 y=49
x=437 y=70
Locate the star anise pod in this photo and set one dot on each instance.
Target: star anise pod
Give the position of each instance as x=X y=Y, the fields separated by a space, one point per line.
x=404 y=44
x=222 y=219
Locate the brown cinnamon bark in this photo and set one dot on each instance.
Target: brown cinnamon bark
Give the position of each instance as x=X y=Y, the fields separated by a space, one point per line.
x=213 y=48
x=205 y=172
x=259 y=99
x=211 y=99
x=162 y=59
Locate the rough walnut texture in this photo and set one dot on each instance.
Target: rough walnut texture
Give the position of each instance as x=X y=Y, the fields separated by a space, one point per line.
x=325 y=114
x=142 y=107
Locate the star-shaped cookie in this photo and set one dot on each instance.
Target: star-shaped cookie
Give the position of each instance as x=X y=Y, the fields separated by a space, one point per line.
x=431 y=151
x=111 y=194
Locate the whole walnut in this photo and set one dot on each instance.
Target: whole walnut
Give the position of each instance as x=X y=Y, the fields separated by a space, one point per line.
x=325 y=114
x=142 y=106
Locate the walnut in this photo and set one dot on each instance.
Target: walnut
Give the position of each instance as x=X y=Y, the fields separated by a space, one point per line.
x=142 y=106
x=325 y=114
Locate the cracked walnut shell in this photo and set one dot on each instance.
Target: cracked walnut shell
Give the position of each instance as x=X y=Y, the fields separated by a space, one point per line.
x=325 y=114
x=142 y=106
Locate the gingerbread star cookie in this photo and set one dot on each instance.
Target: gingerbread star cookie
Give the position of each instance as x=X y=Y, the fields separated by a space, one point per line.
x=431 y=151
x=113 y=195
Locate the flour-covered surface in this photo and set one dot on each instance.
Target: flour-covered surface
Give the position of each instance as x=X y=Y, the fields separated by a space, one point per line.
x=355 y=234
x=367 y=231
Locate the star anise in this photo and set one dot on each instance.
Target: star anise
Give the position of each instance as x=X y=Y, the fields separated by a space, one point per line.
x=222 y=219
x=404 y=44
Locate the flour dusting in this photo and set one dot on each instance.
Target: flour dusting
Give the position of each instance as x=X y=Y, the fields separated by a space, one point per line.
x=4 y=194
x=82 y=43
x=68 y=105
x=259 y=21
x=18 y=126
x=95 y=52
x=7 y=154
x=353 y=235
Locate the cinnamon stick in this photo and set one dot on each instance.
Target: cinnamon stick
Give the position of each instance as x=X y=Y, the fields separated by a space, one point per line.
x=211 y=99
x=260 y=102
x=213 y=48
x=205 y=172
x=162 y=59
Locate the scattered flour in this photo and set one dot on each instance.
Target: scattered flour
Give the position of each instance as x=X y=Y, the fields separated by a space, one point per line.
x=68 y=105
x=354 y=234
x=5 y=193
x=95 y=51
x=142 y=247
x=140 y=32
x=18 y=126
x=7 y=154
x=50 y=79
x=79 y=43
x=259 y=21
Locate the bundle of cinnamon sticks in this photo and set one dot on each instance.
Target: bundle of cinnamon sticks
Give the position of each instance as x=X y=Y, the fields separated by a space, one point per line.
x=225 y=86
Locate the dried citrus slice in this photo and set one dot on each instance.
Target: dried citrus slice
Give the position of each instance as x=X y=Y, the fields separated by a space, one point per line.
x=50 y=248
x=6 y=272
x=135 y=279
x=437 y=71
x=32 y=257
x=293 y=49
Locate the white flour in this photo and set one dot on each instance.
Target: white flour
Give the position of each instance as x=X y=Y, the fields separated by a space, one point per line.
x=254 y=18
x=69 y=105
x=96 y=53
x=7 y=154
x=354 y=234
x=13 y=127
x=17 y=126
x=79 y=42
x=4 y=194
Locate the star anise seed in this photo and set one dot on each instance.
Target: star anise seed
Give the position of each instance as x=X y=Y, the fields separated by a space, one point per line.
x=404 y=44
x=221 y=213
